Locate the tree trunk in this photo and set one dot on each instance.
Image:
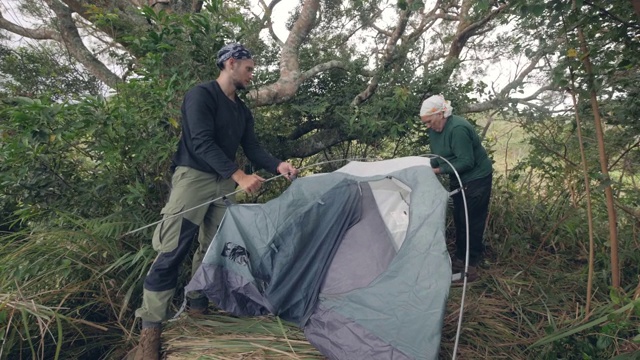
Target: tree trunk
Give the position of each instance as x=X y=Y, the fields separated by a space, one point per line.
x=611 y=211
x=587 y=186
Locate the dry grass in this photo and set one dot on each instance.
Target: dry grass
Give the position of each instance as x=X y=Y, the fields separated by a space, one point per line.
x=506 y=311
x=219 y=336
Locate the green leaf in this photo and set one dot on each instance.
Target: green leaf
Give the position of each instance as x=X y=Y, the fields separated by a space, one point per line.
x=483 y=5
x=537 y=9
x=603 y=342
x=625 y=64
x=604 y=184
x=517 y=48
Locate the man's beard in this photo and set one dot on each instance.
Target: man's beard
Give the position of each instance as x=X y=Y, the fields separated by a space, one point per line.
x=239 y=85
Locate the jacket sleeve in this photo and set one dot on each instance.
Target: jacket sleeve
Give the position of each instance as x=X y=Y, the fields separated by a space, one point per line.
x=462 y=149
x=254 y=151
x=199 y=113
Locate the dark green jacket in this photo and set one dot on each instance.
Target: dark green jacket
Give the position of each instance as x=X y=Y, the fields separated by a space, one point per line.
x=459 y=144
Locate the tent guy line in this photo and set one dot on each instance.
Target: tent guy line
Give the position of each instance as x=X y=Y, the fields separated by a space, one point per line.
x=224 y=197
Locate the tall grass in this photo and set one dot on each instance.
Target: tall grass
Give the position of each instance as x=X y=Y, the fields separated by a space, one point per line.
x=67 y=290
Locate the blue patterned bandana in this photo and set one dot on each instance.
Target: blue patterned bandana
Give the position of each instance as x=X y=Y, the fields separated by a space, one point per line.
x=233 y=50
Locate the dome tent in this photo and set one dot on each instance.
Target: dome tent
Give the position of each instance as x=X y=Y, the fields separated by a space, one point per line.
x=357 y=258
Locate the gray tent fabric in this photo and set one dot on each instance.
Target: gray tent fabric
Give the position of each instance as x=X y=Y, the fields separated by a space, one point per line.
x=364 y=253
x=356 y=258
x=342 y=338
x=300 y=254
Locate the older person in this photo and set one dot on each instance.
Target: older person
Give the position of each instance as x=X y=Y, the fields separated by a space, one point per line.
x=456 y=140
x=215 y=122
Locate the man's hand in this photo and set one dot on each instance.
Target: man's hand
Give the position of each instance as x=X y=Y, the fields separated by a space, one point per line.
x=288 y=170
x=249 y=183
x=436 y=171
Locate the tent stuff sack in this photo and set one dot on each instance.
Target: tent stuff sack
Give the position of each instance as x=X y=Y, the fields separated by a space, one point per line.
x=356 y=258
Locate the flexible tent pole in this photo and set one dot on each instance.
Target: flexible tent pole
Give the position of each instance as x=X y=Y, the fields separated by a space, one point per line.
x=466 y=258
x=223 y=197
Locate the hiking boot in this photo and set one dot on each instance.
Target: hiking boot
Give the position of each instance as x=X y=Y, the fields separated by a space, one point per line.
x=199 y=306
x=149 y=345
x=472 y=275
x=457 y=265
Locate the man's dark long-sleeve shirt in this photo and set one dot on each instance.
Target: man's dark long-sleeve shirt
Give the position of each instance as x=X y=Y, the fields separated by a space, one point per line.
x=213 y=127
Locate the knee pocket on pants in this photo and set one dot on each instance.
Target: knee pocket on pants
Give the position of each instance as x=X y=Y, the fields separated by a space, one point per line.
x=167 y=233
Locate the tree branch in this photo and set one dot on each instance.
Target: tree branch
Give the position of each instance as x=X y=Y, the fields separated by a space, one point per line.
x=333 y=64
x=381 y=31
x=464 y=32
x=633 y=212
x=503 y=97
x=426 y=21
x=343 y=38
x=70 y=38
x=37 y=34
x=317 y=142
x=540 y=109
x=266 y=19
x=125 y=9
x=536 y=93
x=388 y=57
x=614 y=17
x=302 y=129
x=520 y=79
x=287 y=84
x=273 y=34
x=501 y=100
x=622 y=155
x=447 y=17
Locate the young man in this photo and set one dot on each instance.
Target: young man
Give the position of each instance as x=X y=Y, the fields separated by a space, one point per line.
x=453 y=138
x=215 y=122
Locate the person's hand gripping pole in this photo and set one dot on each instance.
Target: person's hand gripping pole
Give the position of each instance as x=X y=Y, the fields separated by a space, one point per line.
x=287 y=170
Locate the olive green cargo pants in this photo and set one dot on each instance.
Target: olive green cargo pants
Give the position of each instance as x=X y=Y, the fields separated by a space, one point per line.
x=173 y=238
